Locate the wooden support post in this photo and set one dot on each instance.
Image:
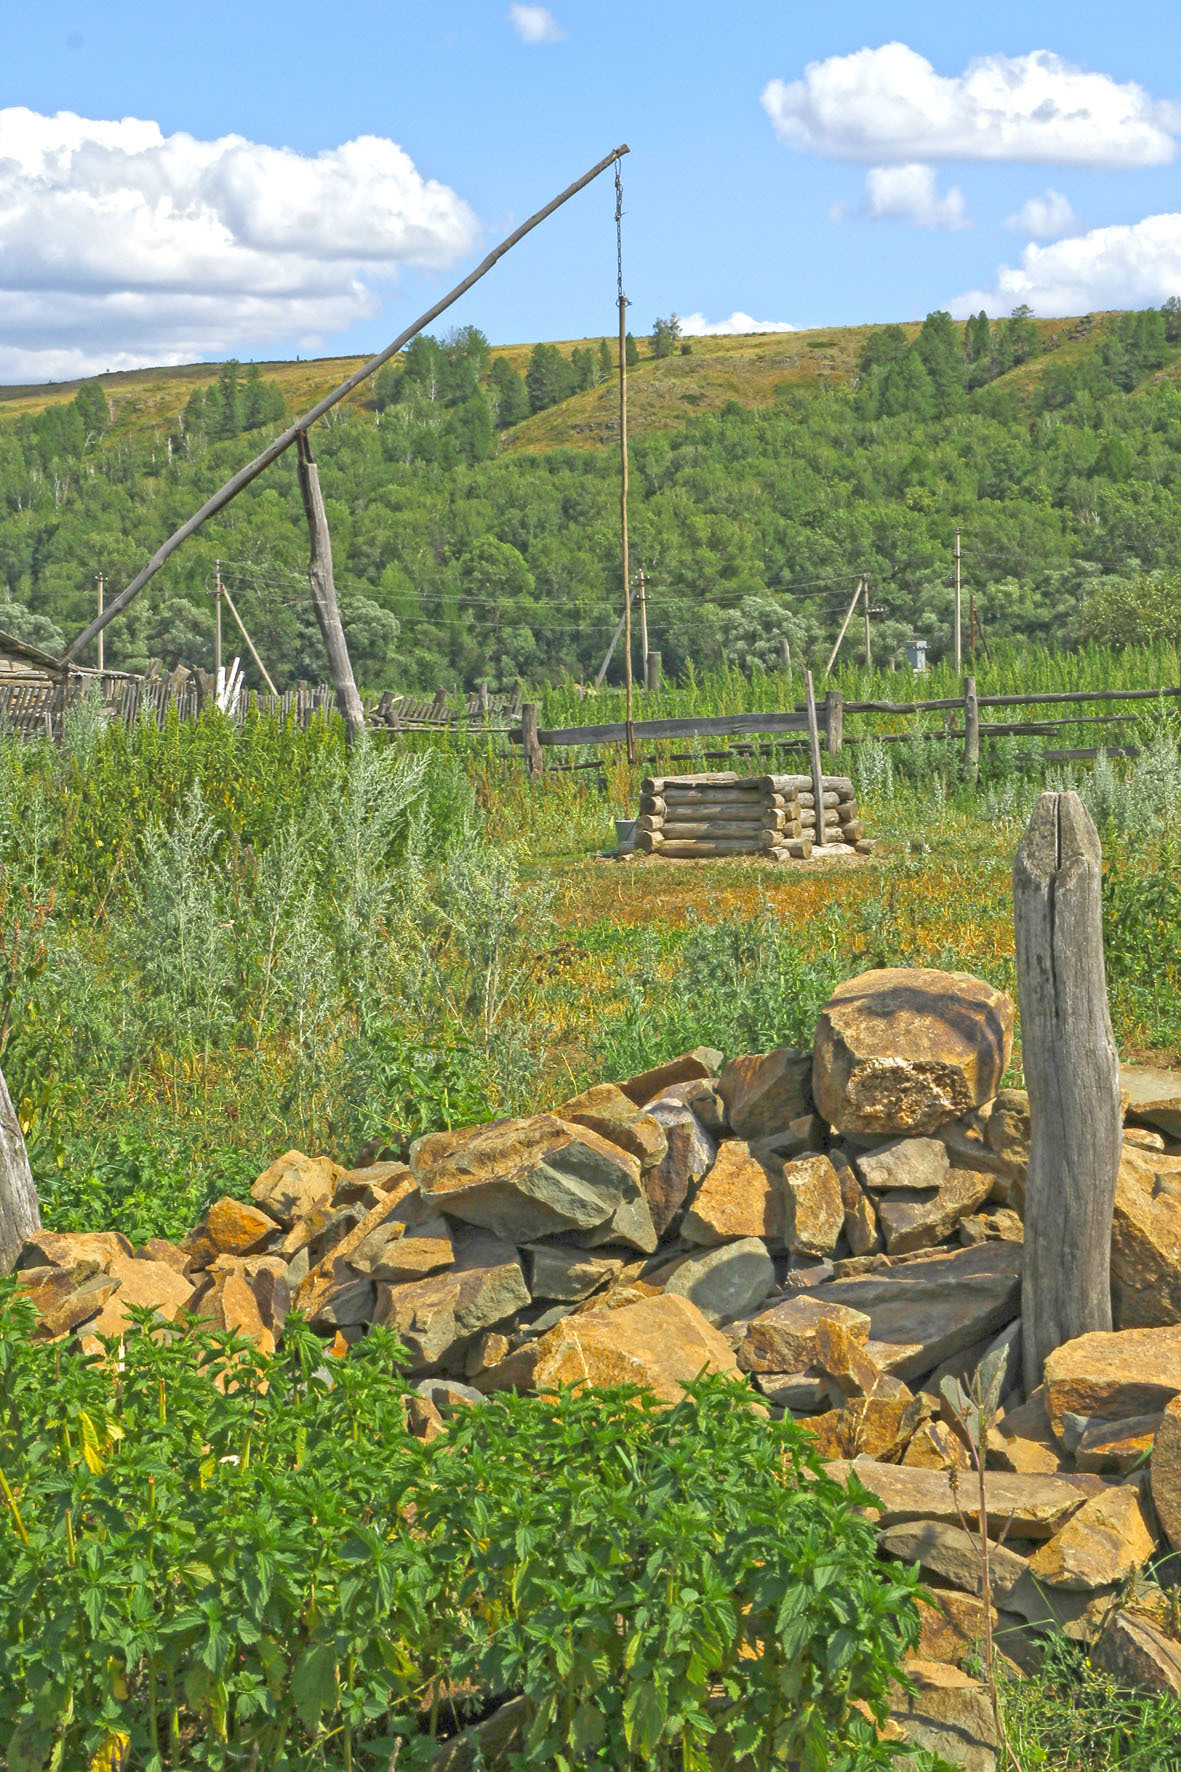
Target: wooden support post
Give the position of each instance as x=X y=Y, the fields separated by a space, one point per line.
x=814 y=741
x=217 y=590
x=1072 y=1075
x=971 y=730
x=652 y=670
x=529 y=739
x=865 y=607
x=627 y=589
x=324 y=593
x=233 y=609
x=101 y=590
x=19 y=1212
x=959 y=637
x=834 y=721
x=844 y=627
x=644 y=625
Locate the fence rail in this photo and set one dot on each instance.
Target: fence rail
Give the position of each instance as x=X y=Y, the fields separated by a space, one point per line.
x=536 y=739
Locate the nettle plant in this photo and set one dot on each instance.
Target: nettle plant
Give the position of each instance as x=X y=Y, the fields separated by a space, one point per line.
x=209 y=1558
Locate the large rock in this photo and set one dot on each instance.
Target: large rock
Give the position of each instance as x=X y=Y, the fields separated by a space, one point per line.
x=743 y=1195
x=1134 y=1650
x=952 y=1628
x=247 y=1294
x=71 y=1249
x=814 y=1214
x=294 y=1185
x=764 y=1091
x=907 y=1050
x=701 y=1063
x=953 y=1555
x=662 y=1343
x=1154 y=1097
x=1146 y=1241
x=229 y=1227
x=440 y=1314
x=524 y=1179
x=605 y=1109
x=783 y=1339
x=950 y=1714
x=1036 y=1505
x=918 y=1164
x=725 y=1282
x=65 y=1299
x=689 y=1154
x=920 y=1221
x=1166 y=1473
x=1105 y=1542
x=925 y=1310
x=566 y=1274
x=861 y=1220
x=153 y=1284
x=1111 y=1376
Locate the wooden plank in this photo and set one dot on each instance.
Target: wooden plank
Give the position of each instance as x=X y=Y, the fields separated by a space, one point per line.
x=534 y=762
x=1072 y=1075
x=712 y=726
x=1008 y=701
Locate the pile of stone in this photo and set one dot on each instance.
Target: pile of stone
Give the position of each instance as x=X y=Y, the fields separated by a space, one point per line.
x=690 y=817
x=842 y=1227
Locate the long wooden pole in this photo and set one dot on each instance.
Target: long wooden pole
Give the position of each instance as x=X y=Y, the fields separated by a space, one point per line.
x=865 y=607
x=814 y=747
x=232 y=607
x=627 y=593
x=286 y=438
x=844 y=627
x=324 y=594
x=959 y=633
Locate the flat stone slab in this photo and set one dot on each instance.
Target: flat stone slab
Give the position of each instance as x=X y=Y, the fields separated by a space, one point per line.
x=1154 y=1096
x=923 y=1311
x=1036 y=1505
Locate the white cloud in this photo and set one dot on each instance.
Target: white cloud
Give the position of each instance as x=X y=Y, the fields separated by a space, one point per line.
x=121 y=246
x=1132 y=266
x=535 y=24
x=697 y=326
x=908 y=193
x=1045 y=217
x=890 y=104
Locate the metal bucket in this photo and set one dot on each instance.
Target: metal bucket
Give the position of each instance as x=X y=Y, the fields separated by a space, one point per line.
x=625 y=835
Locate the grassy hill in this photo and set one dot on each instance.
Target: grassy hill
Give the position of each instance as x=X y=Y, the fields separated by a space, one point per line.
x=753 y=369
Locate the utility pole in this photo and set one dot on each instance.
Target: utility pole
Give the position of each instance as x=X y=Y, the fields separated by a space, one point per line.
x=644 y=621
x=959 y=646
x=627 y=587
x=217 y=618
x=972 y=624
x=865 y=607
x=100 y=610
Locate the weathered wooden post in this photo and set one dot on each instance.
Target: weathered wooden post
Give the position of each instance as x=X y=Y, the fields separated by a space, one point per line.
x=814 y=756
x=971 y=730
x=324 y=593
x=20 y=1215
x=834 y=721
x=652 y=671
x=529 y=739
x=1072 y=1075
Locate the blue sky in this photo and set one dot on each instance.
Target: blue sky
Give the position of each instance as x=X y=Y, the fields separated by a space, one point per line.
x=805 y=166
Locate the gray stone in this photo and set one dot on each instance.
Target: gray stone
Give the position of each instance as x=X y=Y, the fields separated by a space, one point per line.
x=726 y=1282
x=448 y=1395
x=689 y=1156
x=1134 y=1650
x=953 y=1555
x=802 y=1393
x=928 y=1308
x=920 y=1164
x=352 y=1302
x=912 y=1220
x=439 y=1314
x=562 y=1271
x=950 y=1714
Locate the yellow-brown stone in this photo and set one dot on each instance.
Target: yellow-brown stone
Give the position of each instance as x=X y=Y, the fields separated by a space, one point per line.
x=1166 y=1473
x=743 y=1195
x=662 y=1343
x=1103 y=1543
x=901 y=1050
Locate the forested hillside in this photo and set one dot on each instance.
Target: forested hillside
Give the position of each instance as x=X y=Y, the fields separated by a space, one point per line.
x=473 y=496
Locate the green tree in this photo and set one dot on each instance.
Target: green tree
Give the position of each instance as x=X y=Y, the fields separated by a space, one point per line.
x=549 y=377
x=665 y=336
x=939 y=347
x=631 y=351
x=1135 y=611
x=977 y=338
x=512 y=401
x=908 y=388
x=229 y=389
x=91 y=405
x=607 y=363
x=582 y=362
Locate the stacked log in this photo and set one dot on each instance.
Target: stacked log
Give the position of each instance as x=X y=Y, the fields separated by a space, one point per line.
x=694 y=817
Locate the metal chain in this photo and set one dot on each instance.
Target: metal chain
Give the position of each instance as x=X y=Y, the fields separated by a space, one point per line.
x=619 y=233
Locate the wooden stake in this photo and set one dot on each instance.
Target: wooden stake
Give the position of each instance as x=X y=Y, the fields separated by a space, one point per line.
x=971 y=729
x=530 y=743
x=627 y=592
x=217 y=591
x=814 y=741
x=1072 y=1075
x=644 y=626
x=286 y=438
x=959 y=647
x=100 y=610
x=844 y=626
x=324 y=594
x=232 y=607
x=865 y=607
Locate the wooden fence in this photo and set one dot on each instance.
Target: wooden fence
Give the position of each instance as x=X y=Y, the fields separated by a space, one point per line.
x=785 y=726
x=33 y=706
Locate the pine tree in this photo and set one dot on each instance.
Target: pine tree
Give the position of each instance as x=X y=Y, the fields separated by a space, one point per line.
x=631 y=351
x=908 y=388
x=943 y=360
x=582 y=362
x=91 y=405
x=977 y=338
x=607 y=361
x=253 y=399
x=229 y=389
x=549 y=377
x=512 y=402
